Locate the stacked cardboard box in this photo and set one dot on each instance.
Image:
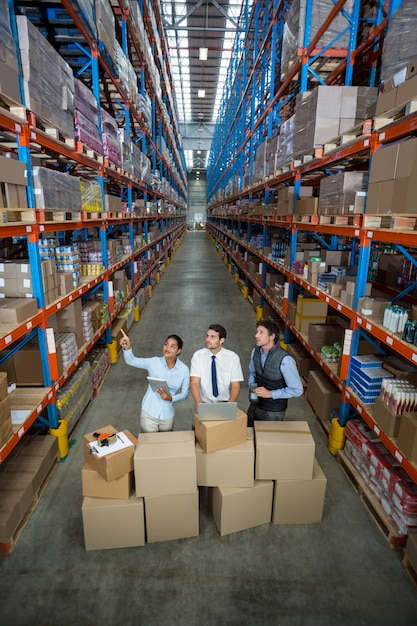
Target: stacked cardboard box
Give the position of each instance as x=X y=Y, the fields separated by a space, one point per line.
x=393 y=178
x=21 y=476
x=309 y=310
x=13 y=185
x=327 y=112
x=113 y=517
x=285 y=454
x=166 y=478
x=343 y=193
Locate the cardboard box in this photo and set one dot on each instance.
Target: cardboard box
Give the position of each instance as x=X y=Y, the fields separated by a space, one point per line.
x=9 y=513
x=165 y=464
x=115 y=464
x=110 y=523
x=308 y=306
x=28 y=365
x=95 y=486
x=411 y=549
x=306 y=206
x=233 y=467
x=384 y=163
x=407 y=436
x=235 y=509
x=322 y=394
x=386 y=419
x=6 y=429
x=400 y=368
x=283 y=450
x=69 y=321
x=171 y=517
x=304 y=361
x=300 y=501
x=219 y=435
x=324 y=335
x=302 y=322
x=17 y=310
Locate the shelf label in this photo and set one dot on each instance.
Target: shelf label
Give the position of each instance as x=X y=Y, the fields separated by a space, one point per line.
x=370 y=234
x=70 y=298
x=398 y=456
x=21 y=432
x=359 y=320
x=28 y=229
x=39 y=408
x=389 y=340
x=327 y=299
x=414 y=357
x=339 y=307
x=110 y=283
x=29 y=325
x=347 y=395
x=381 y=137
x=377 y=430
x=50 y=395
x=368 y=326
x=366 y=143
x=359 y=409
x=50 y=341
x=8 y=339
x=18 y=128
x=59 y=305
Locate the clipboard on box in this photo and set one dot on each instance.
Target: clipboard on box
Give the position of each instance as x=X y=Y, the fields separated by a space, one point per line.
x=158 y=383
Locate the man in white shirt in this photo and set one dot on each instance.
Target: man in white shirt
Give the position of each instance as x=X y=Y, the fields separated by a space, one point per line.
x=215 y=373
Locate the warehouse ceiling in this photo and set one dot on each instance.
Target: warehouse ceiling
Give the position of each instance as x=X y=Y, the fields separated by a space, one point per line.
x=191 y=29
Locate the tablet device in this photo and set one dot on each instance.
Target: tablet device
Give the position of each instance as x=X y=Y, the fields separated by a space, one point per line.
x=158 y=383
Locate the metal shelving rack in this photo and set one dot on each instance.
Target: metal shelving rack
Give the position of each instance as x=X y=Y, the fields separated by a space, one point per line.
x=233 y=231
x=21 y=134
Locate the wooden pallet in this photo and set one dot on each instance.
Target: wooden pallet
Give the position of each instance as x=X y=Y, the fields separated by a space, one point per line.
x=6 y=547
x=395 y=540
x=365 y=128
x=12 y=106
x=410 y=569
x=51 y=131
x=316 y=153
x=395 y=114
x=398 y=222
x=92 y=215
x=26 y=216
x=306 y=219
x=81 y=148
x=342 y=220
x=61 y=216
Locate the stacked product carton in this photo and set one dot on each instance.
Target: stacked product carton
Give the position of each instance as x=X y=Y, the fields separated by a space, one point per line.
x=9 y=70
x=113 y=517
x=22 y=475
x=343 y=193
x=166 y=479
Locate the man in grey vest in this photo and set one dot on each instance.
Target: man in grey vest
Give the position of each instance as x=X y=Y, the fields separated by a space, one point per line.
x=273 y=376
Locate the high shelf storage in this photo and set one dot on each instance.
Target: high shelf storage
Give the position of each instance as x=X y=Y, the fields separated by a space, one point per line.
x=246 y=185
x=126 y=162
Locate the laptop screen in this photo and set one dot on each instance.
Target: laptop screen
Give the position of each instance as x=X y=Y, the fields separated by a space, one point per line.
x=217 y=411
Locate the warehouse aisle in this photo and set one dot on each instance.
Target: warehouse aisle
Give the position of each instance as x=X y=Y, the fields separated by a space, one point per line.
x=341 y=571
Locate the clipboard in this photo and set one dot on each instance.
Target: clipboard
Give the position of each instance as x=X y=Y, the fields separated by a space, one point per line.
x=158 y=383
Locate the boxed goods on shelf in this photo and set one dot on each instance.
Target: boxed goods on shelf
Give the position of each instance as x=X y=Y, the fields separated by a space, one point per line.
x=399 y=47
x=111 y=145
x=6 y=431
x=105 y=24
x=16 y=311
x=74 y=396
x=407 y=436
x=323 y=335
x=322 y=394
x=9 y=70
x=48 y=80
x=86 y=117
x=13 y=184
x=366 y=378
x=56 y=191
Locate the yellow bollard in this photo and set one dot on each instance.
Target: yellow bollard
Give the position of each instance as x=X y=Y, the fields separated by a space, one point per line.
x=283 y=345
x=245 y=292
x=259 y=313
x=112 y=348
x=150 y=291
x=236 y=277
x=336 y=437
x=61 y=434
x=230 y=267
x=158 y=277
x=136 y=317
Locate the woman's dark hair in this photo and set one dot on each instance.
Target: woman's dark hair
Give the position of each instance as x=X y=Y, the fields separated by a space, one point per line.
x=177 y=339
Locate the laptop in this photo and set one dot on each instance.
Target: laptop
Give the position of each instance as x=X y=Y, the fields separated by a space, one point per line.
x=217 y=411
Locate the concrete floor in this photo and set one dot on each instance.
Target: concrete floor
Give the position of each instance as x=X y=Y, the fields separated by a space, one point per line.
x=341 y=571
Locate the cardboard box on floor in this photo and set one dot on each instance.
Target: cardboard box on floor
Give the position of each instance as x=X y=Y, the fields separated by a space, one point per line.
x=165 y=464
x=171 y=517
x=300 y=501
x=95 y=486
x=233 y=467
x=284 y=450
x=115 y=464
x=110 y=523
x=235 y=509
x=219 y=435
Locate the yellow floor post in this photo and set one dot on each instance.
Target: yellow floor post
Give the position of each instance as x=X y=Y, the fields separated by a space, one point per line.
x=61 y=434
x=112 y=348
x=136 y=317
x=245 y=292
x=259 y=313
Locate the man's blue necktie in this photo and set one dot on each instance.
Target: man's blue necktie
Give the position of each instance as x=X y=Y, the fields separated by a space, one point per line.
x=214 y=376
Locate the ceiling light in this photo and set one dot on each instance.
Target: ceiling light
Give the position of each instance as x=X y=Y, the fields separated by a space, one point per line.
x=198 y=151
x=197 y=172
x=201 y=93
x=203 y=54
